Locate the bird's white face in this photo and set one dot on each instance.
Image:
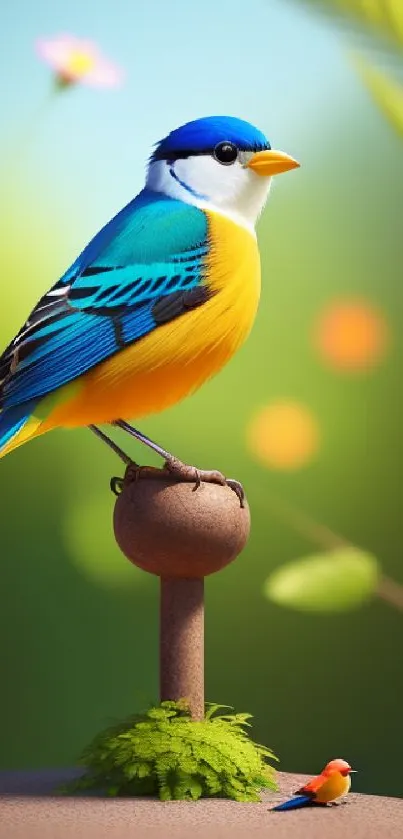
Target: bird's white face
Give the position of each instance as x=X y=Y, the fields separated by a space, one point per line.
x=234 y=190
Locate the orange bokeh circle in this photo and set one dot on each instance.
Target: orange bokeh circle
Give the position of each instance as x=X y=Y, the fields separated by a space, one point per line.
x=352 y=335
x=284 y=435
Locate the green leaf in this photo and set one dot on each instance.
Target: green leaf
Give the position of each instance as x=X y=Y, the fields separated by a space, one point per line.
x=330 y=582
x=386 y=92
x=237 y=719
x=196 y=789
x=144 y=770
x=212 y=708
x=165 y=793
x=159 y=714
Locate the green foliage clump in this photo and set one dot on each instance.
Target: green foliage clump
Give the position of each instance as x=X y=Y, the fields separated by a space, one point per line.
x=163 y=752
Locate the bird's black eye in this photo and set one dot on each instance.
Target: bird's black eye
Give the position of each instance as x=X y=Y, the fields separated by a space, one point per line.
x=226 y=153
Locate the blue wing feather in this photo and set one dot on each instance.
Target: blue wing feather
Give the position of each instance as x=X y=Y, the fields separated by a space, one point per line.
x=153 y=250
x=131 y=236
x=114 y=288
x=13 y=420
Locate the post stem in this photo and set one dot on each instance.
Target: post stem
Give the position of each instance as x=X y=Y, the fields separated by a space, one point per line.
x=182 y=642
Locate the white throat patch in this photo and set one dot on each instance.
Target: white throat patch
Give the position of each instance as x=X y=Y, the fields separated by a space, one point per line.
x=234 y=191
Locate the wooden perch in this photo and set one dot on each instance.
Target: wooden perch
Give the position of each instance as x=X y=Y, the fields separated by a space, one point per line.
x=182 y=536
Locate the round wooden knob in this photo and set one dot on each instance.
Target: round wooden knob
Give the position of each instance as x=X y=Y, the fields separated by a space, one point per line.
x=169 y=529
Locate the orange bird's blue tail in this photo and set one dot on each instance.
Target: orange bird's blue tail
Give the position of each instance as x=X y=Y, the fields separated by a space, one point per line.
x=294 y=803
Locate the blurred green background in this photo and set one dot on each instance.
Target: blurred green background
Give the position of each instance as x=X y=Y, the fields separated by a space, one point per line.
x=78 y=624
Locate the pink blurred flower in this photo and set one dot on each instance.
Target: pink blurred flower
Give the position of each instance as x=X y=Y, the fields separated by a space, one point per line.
x=74 y=60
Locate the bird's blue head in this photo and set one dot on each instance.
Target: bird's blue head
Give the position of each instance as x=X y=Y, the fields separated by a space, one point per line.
x=220 y=162
x=202 y=136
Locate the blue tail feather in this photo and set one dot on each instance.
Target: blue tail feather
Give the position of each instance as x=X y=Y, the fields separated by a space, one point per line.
x=12 y=420
x=294 y=803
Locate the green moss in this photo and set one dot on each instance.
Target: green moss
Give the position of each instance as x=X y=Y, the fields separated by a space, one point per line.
x=162 y=752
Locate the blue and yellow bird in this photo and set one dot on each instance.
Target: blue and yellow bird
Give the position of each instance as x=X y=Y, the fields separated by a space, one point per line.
x=157 y=302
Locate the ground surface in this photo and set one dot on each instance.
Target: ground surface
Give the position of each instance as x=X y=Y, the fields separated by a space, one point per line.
x=30 y=810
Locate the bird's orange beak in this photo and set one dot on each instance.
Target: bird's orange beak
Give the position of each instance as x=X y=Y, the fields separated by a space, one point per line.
x=270 y=162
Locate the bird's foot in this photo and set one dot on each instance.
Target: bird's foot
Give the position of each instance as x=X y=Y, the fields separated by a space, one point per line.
x=179 y=471
x=176 y=469
x=173 y=467
x=133 y=472
x=334 y=803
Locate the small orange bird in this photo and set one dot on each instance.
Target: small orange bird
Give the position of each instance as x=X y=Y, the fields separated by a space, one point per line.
x=333 y=783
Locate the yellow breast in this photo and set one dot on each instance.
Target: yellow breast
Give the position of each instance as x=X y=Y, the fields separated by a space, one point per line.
x=165 y=366
x=335 y=787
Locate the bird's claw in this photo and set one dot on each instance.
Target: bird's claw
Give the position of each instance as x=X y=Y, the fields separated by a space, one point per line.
x=184 y=472
x=116 y=485
x=237 y=487
x=131 y=474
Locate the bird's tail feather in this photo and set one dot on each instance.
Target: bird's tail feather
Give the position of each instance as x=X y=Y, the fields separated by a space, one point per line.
x=16 y=426
x=293 y=803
